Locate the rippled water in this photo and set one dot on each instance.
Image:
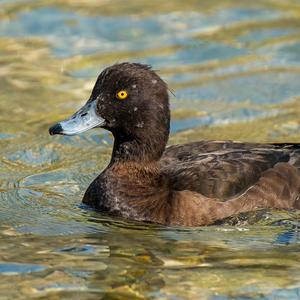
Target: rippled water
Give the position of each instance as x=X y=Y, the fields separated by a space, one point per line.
x=234 y=67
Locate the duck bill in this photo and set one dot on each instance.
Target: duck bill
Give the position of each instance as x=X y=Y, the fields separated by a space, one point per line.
x=83 y=120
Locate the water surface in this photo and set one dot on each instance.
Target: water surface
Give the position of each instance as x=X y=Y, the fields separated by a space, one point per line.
x=234 y=68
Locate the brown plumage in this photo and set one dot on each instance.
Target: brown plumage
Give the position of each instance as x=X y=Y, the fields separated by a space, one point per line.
x=192 y=184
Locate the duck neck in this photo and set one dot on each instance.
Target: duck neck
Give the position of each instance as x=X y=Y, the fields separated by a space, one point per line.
x=143 y=148
x=134 y=186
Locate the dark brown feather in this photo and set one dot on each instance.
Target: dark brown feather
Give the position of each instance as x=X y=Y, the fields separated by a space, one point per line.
x=220 y=169
x=197 y=189
x=193 y=184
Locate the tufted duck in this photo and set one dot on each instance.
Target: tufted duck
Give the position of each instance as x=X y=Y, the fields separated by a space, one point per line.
x=192 y=184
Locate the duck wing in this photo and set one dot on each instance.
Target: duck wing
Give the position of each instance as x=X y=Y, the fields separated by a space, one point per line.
x=223 y=169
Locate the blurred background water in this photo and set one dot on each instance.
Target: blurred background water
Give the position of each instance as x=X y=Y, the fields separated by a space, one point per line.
x=234 y=67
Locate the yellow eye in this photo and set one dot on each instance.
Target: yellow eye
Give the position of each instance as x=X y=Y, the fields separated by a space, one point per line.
x=122 y=95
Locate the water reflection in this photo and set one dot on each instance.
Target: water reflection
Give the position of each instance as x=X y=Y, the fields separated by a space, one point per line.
x=153 y=261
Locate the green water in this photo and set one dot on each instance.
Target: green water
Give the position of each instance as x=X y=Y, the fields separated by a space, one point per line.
x=234 y=67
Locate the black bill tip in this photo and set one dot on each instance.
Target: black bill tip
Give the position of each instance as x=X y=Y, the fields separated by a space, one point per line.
x=55 y=129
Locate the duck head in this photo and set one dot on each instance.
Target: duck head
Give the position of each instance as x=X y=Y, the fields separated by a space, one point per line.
x=131 y=101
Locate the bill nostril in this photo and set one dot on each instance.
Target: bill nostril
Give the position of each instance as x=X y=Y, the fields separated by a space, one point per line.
x=84 y=114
